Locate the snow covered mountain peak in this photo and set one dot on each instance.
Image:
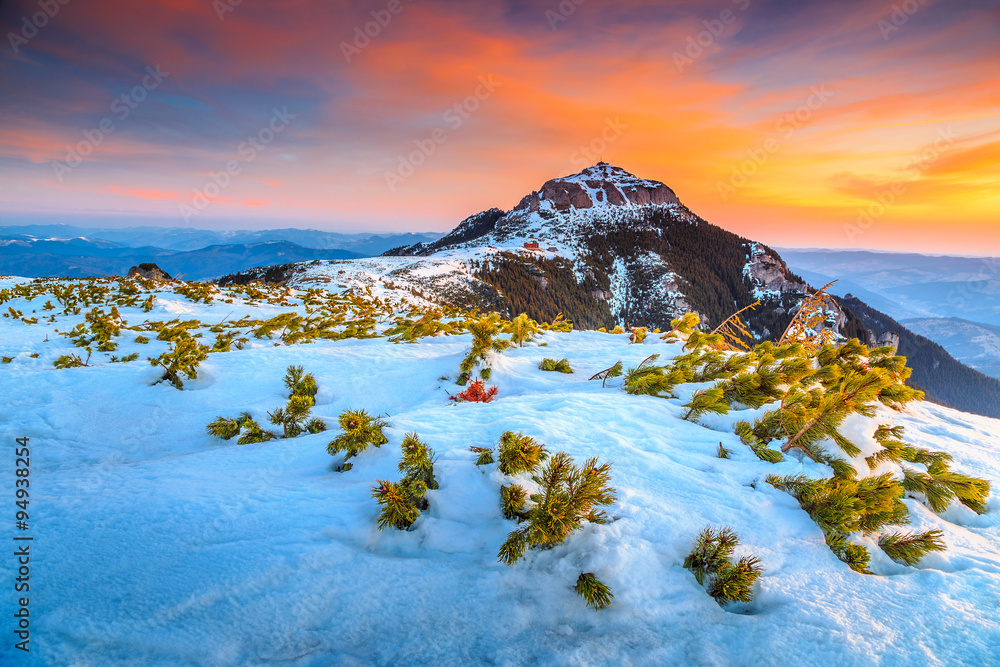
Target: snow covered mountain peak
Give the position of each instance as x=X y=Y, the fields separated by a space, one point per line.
x=602 y=185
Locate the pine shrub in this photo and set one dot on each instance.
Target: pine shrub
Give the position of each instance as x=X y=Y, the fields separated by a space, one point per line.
x=561 y=366
x=417 y=464
x=649 y=380
x=485 y=339
x=843 y=506
x=182 y=359
x=711 y=562
x=70 y=361
x=360 y=431
x=704 y=401
x=402 y=501
x=399 y=507
x=522 y=329
x=750 y=439
x=485 y=457
x=519 y=453
x=568 y=495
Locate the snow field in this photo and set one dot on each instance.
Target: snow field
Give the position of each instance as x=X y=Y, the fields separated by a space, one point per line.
x=157 y=544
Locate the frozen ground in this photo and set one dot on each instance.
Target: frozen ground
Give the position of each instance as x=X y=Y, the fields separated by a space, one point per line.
x=156 y=544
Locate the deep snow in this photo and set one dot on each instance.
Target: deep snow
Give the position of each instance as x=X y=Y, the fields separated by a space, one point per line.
x=156 y=544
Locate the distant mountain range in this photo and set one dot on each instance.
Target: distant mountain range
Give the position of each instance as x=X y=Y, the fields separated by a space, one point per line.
x=75 y=252
x=946 y=380
x=973 y=343
x=954 y=301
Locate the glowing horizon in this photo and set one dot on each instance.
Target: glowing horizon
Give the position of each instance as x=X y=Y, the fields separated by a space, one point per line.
x=849 y=125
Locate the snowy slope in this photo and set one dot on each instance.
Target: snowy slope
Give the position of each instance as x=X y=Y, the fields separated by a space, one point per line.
x=157 y=544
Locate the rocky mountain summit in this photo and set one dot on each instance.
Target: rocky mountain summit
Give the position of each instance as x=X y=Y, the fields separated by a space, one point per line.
x=606 y=247
x=600 y=185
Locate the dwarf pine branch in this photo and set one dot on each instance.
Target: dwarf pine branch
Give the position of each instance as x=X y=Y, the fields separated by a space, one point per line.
x=710 y=562
x=909 y=548
x=597 y=594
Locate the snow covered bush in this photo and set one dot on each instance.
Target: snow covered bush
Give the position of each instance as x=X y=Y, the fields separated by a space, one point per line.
x=70 y=361
x=568 y=495
x=561 y=366
x=360 y=431
x=513 y=498
x=711 y=563
x=608 y=373
x=841 y=507
x=909 y=548
x=650 y=380
x=485 y=457
x=294 y=417
x=401 y=502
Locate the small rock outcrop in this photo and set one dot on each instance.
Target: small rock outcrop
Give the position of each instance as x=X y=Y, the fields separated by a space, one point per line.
x=149 y=271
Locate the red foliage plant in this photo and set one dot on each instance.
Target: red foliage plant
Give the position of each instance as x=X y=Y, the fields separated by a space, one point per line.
x=477 y=393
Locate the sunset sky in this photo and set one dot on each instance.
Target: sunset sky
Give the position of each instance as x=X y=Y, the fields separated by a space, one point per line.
x=784 y=121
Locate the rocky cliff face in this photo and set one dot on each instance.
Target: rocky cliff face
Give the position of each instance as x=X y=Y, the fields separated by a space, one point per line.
x=600 y=185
